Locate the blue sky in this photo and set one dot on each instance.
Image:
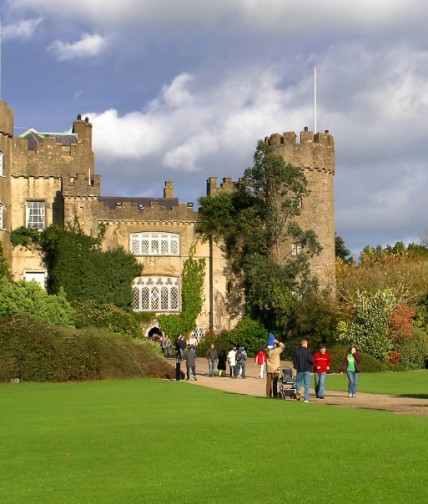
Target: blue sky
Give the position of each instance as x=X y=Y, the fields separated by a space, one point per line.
x=188 y=87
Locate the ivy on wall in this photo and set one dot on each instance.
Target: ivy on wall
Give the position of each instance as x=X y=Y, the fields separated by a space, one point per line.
x=192 y=285
x=76 y=262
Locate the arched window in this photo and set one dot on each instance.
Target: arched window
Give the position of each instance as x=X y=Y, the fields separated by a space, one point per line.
x=149 y=244
x=156 y=294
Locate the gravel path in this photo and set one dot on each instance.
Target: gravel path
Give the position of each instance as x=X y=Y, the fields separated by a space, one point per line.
x=254 y=386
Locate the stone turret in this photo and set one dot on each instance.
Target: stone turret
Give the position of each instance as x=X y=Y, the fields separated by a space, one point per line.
x=83 y=129
x=316 y=157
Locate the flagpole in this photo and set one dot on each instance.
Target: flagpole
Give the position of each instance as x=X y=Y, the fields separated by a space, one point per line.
x=315 y=99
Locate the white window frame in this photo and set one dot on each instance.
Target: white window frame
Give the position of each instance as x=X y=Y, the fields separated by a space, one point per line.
x=155 y=244
x=35 y=214
x=156 y=294
x=2 y=216
x=36 y=276
x=1 y=163
x=296 y=249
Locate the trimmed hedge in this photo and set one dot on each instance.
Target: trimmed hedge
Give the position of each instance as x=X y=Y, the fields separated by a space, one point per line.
x=37 y=351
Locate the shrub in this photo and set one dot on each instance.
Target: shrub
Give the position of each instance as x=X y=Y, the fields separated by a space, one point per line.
x=89 y=314
x=37 y=351
x=248 y=333
x=414 y=352
x=28 y=299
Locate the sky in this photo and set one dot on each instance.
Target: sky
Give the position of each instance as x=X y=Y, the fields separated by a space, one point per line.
x=182 y=90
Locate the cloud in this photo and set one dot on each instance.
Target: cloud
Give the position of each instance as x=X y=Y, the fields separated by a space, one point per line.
x=283 y=17
x=187 y=122
x=21 y=30
x=87 y=46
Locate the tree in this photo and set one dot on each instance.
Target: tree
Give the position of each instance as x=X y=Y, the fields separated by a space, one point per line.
x=403 y=270
x=76 y=263
x=252 y=223
x=341 y=251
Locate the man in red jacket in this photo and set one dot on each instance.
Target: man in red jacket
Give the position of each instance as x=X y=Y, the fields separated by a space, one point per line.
x=322 y=364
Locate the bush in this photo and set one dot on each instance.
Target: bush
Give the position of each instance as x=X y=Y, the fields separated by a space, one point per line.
x=89 y=314
x=28 y=299
x=37 y=351
x=248 y=333
x=414 y=352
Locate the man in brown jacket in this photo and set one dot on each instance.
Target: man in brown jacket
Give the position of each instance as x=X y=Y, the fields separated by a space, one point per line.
x=272 y=371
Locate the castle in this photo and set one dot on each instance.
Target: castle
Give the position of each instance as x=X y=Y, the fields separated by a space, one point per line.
x=50 y=178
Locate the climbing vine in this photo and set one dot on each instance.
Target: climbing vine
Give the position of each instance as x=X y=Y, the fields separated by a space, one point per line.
x=192 y=285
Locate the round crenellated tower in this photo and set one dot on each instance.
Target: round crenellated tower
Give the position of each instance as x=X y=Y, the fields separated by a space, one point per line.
x=315 y=156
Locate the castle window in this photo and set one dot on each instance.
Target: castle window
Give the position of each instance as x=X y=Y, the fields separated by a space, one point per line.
x=296 y=249
x=35 y=215
x=154 y=244
x=156 y=294
x=1 y=216
x=36 y=276
x=1 y=163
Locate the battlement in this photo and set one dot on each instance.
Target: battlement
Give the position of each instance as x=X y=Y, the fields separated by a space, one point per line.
x=6 y=120
x=314 y=152
x=227 y=186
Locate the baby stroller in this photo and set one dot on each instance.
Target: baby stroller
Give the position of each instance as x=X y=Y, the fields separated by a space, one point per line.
x=287 y=384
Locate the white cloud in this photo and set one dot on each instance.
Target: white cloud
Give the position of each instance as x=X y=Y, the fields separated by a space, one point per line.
x=259 y=15
x=22 y=29
x=87 y=46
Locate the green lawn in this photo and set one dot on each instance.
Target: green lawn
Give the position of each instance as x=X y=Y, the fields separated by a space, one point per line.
x=409 y=383
x=153 y=441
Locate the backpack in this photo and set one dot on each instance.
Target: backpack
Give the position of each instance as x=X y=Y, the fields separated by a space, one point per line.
x=239 y=356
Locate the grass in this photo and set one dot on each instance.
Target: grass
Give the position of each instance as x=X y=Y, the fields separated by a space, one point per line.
x=409 y=383
x=152 y=441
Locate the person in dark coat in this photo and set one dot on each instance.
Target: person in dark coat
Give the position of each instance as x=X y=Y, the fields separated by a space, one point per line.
x=302 y=362
x=190 y=358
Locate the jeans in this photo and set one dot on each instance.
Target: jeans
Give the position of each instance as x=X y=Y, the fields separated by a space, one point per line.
x=320 y=379
x=211 y=366
x=306 y=377
x=241 y=369
x=352 y=384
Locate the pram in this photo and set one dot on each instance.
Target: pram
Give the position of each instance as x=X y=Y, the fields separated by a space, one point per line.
x=287 y=384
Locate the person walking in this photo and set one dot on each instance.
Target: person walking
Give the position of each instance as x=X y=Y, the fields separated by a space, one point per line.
x=241 y=359
x=351 y=364
x=212 y=359
x=221 y=364
x=180 y=346
x=260 y=361
x=273 y=364
x=231 y=359
x=190 y=358
x=302 y=362
x=322 y=363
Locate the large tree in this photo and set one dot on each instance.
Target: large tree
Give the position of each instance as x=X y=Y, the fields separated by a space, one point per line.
x=252 y=223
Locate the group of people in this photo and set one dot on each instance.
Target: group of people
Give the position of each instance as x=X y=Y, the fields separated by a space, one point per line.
x=304 y=362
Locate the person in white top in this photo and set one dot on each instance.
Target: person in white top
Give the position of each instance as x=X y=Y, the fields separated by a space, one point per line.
x=231 y=359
